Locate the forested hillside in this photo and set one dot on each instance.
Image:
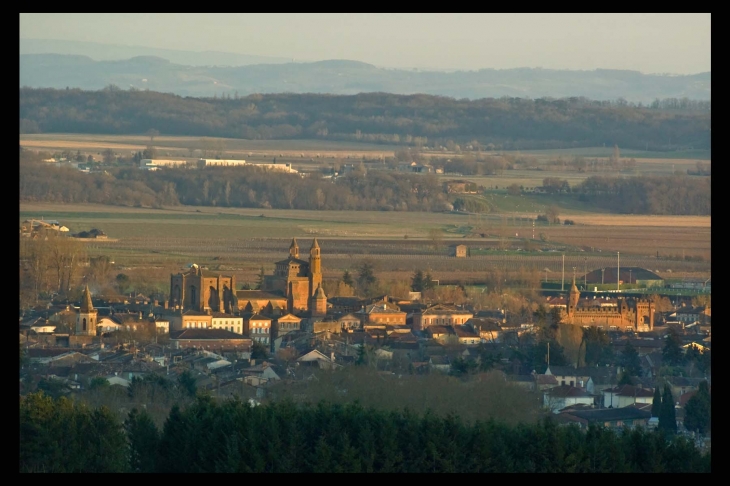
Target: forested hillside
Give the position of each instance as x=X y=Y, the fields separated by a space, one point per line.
x=382 y=190
x=415 y=120
x=62 y=436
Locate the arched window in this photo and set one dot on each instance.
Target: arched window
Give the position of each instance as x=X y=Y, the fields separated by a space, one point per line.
x=83 y=323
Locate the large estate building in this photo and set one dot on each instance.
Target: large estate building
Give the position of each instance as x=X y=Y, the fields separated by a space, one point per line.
x=194 y=290
x=298 y=280
x=634 y=314
x=295 y=287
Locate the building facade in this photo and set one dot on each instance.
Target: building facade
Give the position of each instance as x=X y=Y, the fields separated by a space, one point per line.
x=298 y=280
x=202 y=291
x=628 y=314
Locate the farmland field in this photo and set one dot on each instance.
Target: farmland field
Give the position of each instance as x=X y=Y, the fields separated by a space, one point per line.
x=241 y=241
x=311 y=153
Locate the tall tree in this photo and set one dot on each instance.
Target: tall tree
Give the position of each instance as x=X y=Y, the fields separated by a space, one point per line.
x=417 y=281
x=672 y=351
x=143 y=441
x=366 y=279
x=698 y=411
x=630 y=361
x=656 y=404
x=347 y=278
x=668 y=416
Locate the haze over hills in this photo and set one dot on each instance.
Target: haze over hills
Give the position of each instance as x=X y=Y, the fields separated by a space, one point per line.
x=112 y=52
x=350 y=77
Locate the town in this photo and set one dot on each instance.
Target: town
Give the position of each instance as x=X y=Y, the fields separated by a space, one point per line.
x=257 y=344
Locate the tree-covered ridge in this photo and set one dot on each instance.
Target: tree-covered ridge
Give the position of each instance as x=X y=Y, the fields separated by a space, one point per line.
x=650 y=195
x=425 y=120
x=233 y=436
x=357 y=190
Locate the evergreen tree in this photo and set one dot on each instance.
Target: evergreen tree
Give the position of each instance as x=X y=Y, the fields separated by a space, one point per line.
x=417 y=281
x=347 y=279
x=366 y=279
x=260 y=279
x=186 y=380
x=656 y=404
x=630 y=361
x=428 y=282
x=668 y=416
x=672 y=351
x=144 y=440
x=697 y=412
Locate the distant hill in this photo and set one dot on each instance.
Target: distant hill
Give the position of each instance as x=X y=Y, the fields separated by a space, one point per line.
x=163 y=72
x=111 y=52
x=509 y=124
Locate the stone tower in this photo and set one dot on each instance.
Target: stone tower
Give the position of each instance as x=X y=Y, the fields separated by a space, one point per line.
x=573 y=298
x=86 y=319
x=294 y=248
x=319 y=302
x=315 y=268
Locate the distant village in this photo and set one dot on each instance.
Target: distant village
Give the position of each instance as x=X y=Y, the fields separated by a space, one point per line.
x=236 y=340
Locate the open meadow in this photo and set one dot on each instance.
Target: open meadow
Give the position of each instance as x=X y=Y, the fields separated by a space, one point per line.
x=313 y=154
x=240 y=241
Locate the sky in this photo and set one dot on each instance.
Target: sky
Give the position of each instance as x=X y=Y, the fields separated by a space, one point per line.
x=650 y=43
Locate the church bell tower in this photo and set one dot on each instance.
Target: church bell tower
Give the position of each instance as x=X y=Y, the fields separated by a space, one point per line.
x=86 y=319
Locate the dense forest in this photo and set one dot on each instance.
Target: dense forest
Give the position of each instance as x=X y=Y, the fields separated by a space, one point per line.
x=649 y=195
x=414 y=120
x=359 y=189
x=63 y=436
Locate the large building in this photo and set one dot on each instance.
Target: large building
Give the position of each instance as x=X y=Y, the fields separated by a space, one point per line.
x=199 y=291
x=295 y=287
x=298 y=280
x=627 y=315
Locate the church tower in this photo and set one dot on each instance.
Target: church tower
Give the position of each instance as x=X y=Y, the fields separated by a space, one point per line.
x=573 y=298
x=294 y=249
x=86 y=319
x=319 y=302
x=315 y=268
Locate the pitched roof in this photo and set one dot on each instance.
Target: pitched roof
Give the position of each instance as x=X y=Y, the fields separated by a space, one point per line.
x=626 y=273
x=609 y=414
x=86 y=305
x=203 y=334
x=629 y=391
x=291 y=261
x=567 y=391
x=244 y=295
x=546 y=380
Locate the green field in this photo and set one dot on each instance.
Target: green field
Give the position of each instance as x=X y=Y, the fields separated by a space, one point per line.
x=241 y=241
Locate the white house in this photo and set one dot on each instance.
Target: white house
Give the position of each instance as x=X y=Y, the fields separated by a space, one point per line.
x=117 y=380
x=625 y=395
x=229 y=322
x=559 y=397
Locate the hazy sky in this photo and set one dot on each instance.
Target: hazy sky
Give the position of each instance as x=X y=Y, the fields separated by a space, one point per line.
x=650 y=43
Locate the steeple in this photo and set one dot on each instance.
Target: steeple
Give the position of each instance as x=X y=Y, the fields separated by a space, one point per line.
x=86 y=305
x=318 y=304
x=314 y=251
x=573 y=296
x=294 y=248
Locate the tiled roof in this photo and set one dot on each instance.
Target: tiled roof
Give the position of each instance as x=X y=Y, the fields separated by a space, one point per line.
x=567 y=391
x=610 y=414
x=202 y=334
x=629 y=391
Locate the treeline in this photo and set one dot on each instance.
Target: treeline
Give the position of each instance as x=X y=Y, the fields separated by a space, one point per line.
x=61 y=436
x=416 y=120
x=676 y=194
x=233 y=187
